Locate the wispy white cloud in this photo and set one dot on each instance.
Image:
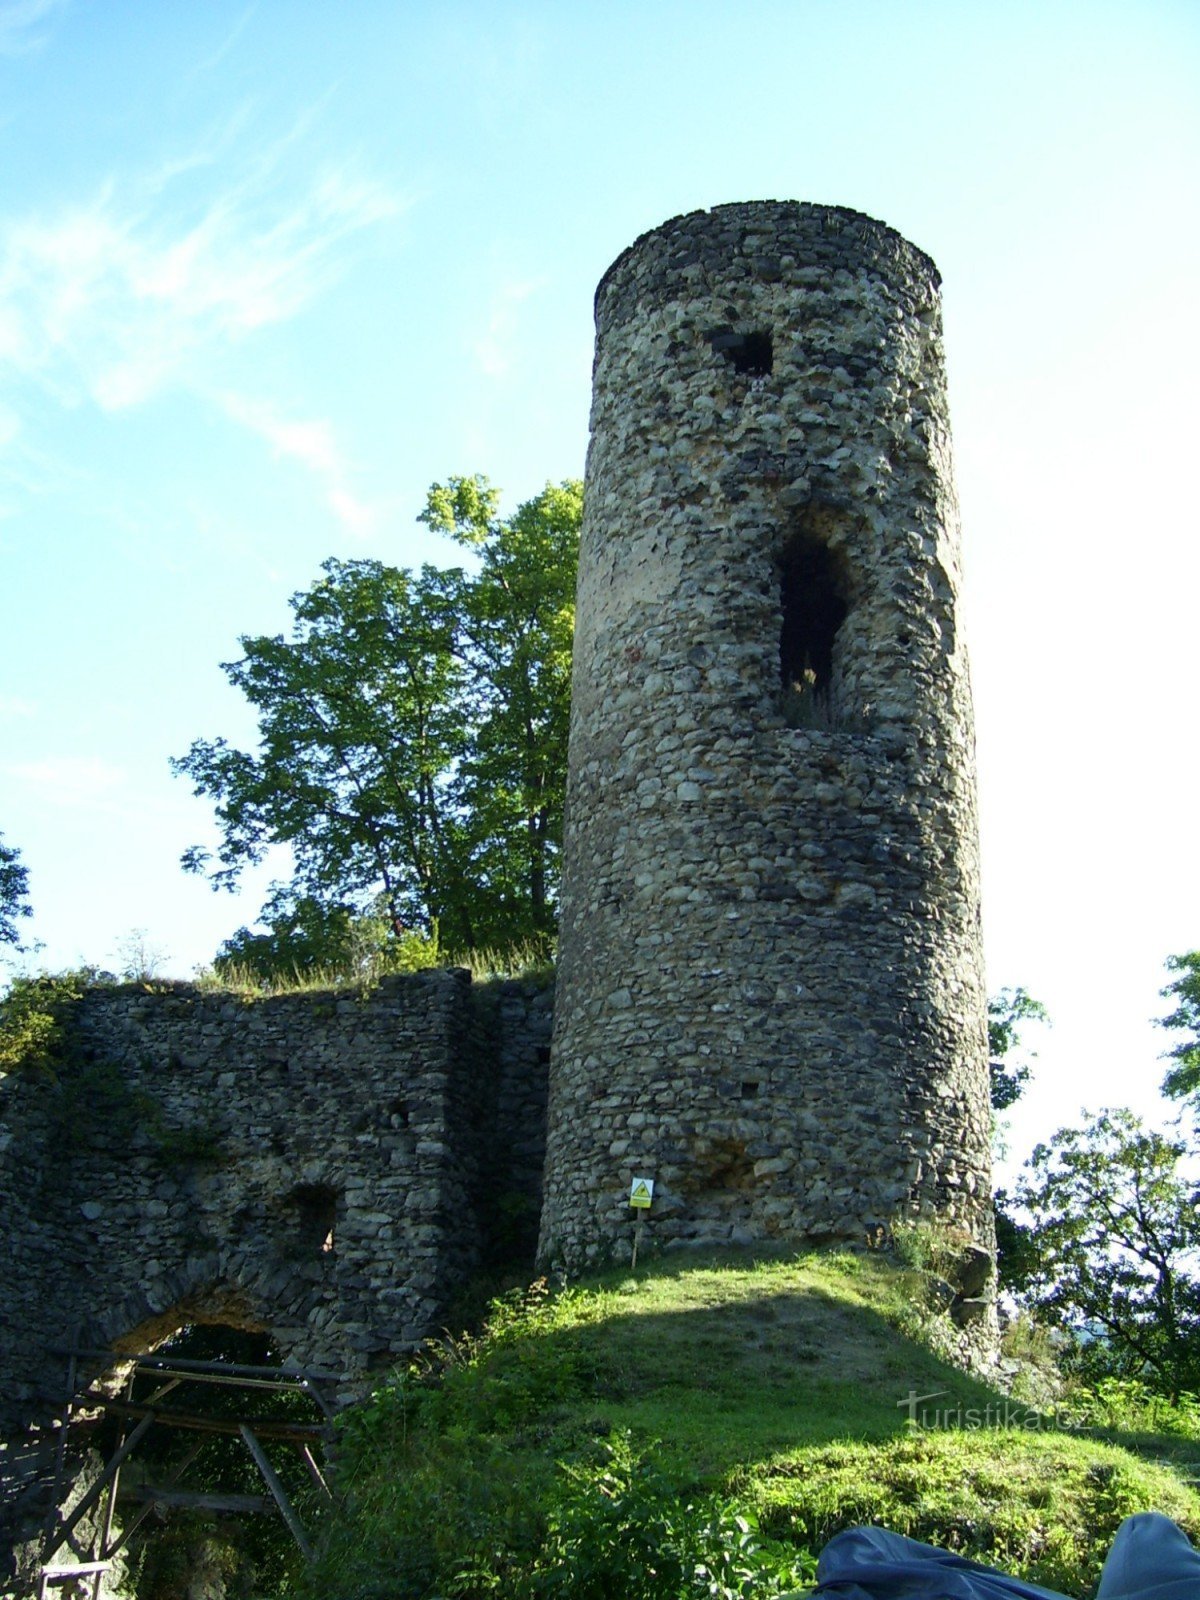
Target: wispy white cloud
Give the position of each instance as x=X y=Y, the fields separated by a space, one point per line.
x=314 y=445
x=14 y=706
x=356 y=516
x=493 y=350
x=69 y=780
x=140 y=288
x=22 y=24
x=309 y=442
x=226 y=44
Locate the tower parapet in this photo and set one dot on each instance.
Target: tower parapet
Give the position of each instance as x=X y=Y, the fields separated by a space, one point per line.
x=770 y=995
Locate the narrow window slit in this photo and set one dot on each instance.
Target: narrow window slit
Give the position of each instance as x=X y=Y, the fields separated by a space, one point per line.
x=813 y=608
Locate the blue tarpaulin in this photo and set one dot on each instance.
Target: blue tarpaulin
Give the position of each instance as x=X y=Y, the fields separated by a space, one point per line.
x=1150 y=1559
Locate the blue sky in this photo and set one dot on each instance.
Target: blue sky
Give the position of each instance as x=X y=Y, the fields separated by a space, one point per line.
x=268 y=270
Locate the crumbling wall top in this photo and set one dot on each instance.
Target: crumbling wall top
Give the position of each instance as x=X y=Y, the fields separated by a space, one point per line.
x=767 y=238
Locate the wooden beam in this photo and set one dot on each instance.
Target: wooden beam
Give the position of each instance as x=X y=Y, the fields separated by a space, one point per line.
x=60 y=1457
x=130 y=1528
x=63 y=1530
x=197 y=1500
x=267 y=1428
x=286 y=1510
x=110 y=1509
x=314 y=1471
x=286 y=1377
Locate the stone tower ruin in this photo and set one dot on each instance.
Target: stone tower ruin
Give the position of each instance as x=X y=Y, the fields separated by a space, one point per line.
x=770 y=995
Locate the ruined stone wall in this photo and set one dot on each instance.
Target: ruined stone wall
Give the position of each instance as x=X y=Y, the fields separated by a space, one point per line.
x=515 y=1020
x=325 y=1166
x=770 y=995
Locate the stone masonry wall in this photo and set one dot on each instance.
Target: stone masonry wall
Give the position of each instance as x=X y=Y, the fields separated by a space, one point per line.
x=324 y=1166
x=770 y=985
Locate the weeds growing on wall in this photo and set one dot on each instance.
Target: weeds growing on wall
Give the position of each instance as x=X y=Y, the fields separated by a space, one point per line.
x=93 y=1103
x=415 y=954
x=32 y=1016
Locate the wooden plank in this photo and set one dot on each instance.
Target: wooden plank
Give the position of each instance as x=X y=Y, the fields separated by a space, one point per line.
x=198 y=1500
x=286 y=1510
x=267 y=1428
x=284 y=1376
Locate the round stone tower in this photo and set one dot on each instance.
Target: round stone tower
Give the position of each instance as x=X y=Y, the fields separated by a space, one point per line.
x=770 y=996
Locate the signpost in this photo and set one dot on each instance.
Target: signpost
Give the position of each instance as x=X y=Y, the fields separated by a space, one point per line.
x=641 y=1197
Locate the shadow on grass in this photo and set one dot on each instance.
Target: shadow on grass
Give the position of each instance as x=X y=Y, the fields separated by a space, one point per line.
x=724 y=1363
x=783 y=1385
x=720 y=1373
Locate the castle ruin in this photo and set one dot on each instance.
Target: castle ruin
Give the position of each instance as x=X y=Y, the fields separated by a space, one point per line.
x=770 y=988
x=769 y=996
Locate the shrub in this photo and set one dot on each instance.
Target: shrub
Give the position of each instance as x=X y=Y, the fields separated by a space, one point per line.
x=31 y=1020
x=616 y=1527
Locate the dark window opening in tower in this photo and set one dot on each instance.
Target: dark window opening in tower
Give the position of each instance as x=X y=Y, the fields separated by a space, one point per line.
x=314 y=1208
x=813 y=607
x=751 y=354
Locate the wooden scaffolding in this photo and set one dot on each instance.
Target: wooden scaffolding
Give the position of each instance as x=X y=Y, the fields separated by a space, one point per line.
x=74 y=1561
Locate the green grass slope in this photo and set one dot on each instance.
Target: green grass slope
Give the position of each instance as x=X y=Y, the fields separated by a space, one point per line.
x=703 y=1429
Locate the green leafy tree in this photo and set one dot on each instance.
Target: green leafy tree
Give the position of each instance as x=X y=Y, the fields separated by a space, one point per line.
x=412 y=746
x=516 y=636
x=1010 y=1061
x=361 y=736
x=305 y=938
x=1008 y=1013
x=1117 y=1235
x=14 y=893
x=1182 y=1081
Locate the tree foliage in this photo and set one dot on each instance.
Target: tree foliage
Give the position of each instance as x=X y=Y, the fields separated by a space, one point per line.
x=33 y=1012
x=1008 y=1012
x=14 y=893
x=412 y=737
x=518 y=626
x=1117 y=1237
x=305 y=939
x=1010 y=1061
x=1182 y=1081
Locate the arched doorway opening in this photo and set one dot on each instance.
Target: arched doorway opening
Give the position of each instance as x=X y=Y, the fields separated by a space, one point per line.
x=208 y=1453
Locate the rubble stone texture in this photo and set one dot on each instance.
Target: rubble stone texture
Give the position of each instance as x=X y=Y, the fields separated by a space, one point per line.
x=326 y=1167
x=770 y=994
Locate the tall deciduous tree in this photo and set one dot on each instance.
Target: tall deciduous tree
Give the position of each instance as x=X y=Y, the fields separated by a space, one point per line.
x=1010 y=1064
x=412 y=742
x=517 y=631
x=1116 y=1231
x=14 y=893
x=1182 y=1081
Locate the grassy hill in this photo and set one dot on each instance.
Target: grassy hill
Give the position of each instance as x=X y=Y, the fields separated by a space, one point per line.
x=727 y=1416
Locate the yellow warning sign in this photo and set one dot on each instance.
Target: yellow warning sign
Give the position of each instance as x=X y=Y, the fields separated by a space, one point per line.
x=641 y=1192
